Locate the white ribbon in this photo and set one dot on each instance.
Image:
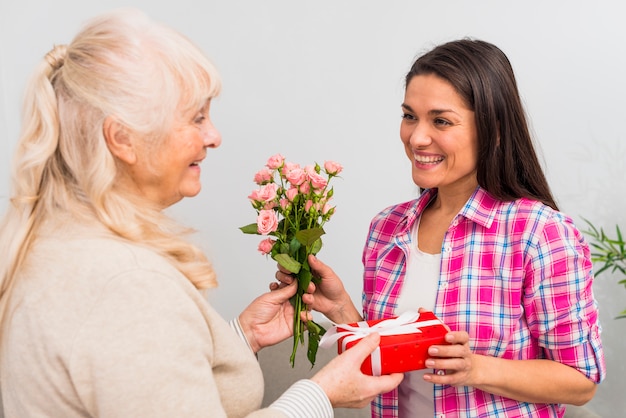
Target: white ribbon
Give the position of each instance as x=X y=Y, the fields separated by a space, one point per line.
x=401 y=325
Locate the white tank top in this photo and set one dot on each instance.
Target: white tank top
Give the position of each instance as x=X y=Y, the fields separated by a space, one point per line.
x=419 y=290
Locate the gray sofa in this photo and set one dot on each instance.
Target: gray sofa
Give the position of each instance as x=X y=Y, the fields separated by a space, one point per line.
x=279 y=376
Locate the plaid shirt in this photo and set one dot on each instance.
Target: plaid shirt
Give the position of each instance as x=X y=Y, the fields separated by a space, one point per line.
x=515 y=275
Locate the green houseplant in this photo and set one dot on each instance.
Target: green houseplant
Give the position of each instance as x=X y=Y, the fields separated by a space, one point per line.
x=608 y=253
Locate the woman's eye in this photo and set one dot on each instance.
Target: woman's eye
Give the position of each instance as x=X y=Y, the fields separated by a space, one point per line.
x=441 y=122
x=408 y=116
x=199 y=119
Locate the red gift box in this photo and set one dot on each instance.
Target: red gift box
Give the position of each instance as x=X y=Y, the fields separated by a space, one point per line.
x=404 y=341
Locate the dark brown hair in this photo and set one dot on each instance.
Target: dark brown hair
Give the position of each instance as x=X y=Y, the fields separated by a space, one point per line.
x=507 y=166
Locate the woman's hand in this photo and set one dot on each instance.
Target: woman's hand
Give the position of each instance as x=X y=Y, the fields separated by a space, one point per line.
x=328 y=297
x=454 y=363
x=534 y=380
x=344 y=383
x=268 y=320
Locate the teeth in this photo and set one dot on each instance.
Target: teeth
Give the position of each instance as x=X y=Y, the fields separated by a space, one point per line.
x=428 y=160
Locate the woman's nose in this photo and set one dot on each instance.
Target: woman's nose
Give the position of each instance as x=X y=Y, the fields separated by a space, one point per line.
x=212 y=138
x=420 y=136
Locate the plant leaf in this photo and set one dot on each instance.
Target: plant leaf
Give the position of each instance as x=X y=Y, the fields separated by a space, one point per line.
x=308 y=236
x=250 y=229
x=287 y=262
x=294 y=246
x=316 y=247
x=315 y=333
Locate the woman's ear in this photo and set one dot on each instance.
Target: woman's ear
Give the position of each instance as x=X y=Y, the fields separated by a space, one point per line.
x=119 y=141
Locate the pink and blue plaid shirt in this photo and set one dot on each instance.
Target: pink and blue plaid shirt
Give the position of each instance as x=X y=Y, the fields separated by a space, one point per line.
x=516 y=276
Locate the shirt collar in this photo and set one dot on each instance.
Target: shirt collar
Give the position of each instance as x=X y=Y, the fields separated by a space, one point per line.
x=480 y=208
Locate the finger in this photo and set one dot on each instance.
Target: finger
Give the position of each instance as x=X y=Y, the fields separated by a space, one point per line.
x=283 y=292
x=448 y=365
x=365 y=347
x=308 y=299
x=284 y=277
x=457 y=337
x=282 y=269
x=318 y=267
x=306 y=316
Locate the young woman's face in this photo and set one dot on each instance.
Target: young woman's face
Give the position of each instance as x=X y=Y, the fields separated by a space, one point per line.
x=172 y=171
x=438 y=131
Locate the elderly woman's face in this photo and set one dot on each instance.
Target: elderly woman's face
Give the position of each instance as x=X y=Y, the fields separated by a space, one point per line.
x=438 y=131
x=172 y=171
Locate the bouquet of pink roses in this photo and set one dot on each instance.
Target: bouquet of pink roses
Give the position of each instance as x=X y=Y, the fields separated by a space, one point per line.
x=292 y=205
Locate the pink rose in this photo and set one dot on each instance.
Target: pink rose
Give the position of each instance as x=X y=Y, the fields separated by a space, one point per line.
x=287 y=167
x=265 y=246
x=291 y=193
x=263 y=176
x=254 y=196
x=275 y=161
x=268 y=192
x=270 y=205
x=310 y=169
x=318 y=182
x=297 y=176
x=266 y=222
x=332 y=167
x=284 y=204
x=305 y=187
x=326 y=208
x=308 y=205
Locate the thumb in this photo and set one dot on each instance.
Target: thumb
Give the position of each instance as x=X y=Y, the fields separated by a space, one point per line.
x=365 y=347
x=320 y=268
x=283 y=293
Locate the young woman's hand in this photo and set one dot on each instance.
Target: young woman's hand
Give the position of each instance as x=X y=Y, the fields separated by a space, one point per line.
x=328 y=297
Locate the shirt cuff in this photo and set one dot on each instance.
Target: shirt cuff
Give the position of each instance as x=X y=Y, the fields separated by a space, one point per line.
x=304 y=399
x=236 y=326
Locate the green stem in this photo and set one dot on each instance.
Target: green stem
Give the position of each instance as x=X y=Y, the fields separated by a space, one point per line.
x=297 y=327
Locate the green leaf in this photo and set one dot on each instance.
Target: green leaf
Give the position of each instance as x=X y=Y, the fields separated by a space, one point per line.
x=315 y=333
x=250 y=229
x=308 y=237
x=287 y=262
x=317 y=246
x=304 y=278
x=294 y=246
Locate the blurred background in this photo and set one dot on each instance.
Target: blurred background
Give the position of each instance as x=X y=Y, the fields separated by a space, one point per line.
x=323 y=80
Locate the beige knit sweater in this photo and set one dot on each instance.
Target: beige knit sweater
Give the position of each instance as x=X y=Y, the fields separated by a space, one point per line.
x=102 y=328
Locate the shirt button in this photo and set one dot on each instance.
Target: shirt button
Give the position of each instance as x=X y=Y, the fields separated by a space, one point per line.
x=447 y=248
x=444 y=285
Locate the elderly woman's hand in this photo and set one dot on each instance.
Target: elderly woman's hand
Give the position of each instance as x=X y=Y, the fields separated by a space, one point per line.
x=344 y=383
x=268 y=320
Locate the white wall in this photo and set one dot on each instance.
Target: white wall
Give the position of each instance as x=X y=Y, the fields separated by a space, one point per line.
x=323 y=80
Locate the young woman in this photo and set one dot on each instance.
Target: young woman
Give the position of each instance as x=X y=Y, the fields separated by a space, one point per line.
x=484 y=246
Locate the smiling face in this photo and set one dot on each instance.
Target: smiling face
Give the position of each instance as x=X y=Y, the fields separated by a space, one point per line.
x=170 y=171
x=438 y=131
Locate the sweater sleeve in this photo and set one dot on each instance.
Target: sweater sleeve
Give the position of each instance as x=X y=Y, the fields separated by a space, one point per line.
x=304 y=399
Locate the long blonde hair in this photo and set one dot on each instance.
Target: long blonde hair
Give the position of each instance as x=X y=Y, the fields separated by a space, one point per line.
x=124 y=65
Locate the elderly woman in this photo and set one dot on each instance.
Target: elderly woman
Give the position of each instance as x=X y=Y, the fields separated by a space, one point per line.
x=101 y=309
